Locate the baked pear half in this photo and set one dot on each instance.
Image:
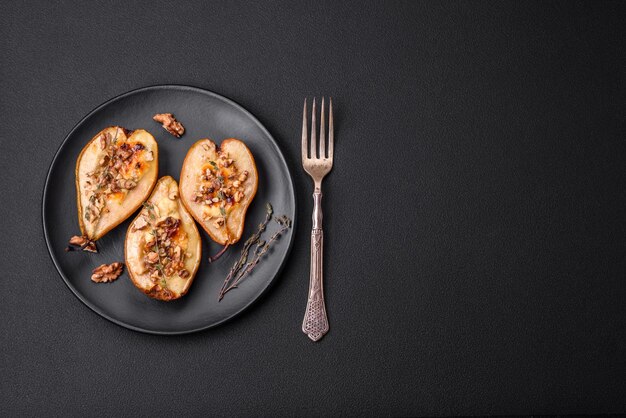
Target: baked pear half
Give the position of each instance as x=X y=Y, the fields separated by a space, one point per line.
x=115 y=173
x=163 y=248
x=217 y=186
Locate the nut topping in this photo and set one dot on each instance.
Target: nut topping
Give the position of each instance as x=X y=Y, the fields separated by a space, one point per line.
x=78 y=240
x=83 y=243
x=140 y=223
x=164 y=248
x=152 y=257
x=107 y=272
x=102 y=140
x=150 y=241
x=170 y=123
x=220 y=185
x=104 y=160
x=129 y=184
x=118 y=171
x=177 y=254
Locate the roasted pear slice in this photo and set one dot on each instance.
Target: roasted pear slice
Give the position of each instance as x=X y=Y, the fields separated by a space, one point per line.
x=115 y=173
x=217 y=187
x=163 y=248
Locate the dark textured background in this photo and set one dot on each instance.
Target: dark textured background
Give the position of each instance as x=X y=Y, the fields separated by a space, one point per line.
x=475 y=218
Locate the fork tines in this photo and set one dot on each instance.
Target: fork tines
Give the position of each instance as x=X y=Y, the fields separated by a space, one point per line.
x=313 y=152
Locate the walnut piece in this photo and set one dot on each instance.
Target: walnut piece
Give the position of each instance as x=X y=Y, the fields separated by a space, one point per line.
x=107 y=272
x=78 y=240
x=170 y=124
x=140 y=223
x=152 y=257
x=83 y=243
x=102 y=139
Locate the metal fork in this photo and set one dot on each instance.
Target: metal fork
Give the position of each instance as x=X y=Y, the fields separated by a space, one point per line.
x=315 y=323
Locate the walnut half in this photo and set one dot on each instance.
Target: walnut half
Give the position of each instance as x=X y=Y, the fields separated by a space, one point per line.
x=82 y=243
x=170 y=124
x=107 y=272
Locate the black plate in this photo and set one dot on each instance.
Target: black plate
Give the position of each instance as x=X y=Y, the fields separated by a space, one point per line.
x=204 y=114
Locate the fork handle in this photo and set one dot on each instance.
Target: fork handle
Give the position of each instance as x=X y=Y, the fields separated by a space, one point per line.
x=315 y=323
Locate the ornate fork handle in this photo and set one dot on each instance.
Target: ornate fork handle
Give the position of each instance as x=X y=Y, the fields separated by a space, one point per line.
x=315 y=323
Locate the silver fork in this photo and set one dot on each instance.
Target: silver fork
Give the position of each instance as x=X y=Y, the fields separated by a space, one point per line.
x=315 y=323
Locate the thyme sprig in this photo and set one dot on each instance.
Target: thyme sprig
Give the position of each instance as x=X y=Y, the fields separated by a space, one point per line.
x=159 y=266
x=242 y=267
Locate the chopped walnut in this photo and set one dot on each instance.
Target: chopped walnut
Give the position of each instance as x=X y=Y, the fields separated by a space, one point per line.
x=170 y=124
x=107 y=272
x=220 y=184
x=84 y=243
x=168 y=270
x=164 y=256
x=140 y=223
x=102 y=140
x=78 y=240
x=123 y=184
x=170 y=226
x=152 y=257
x=177 y=254
x=116 y=171
x=125 y=154
x=104 y=160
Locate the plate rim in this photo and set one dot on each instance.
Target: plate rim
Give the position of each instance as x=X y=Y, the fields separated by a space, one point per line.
x=165 y=87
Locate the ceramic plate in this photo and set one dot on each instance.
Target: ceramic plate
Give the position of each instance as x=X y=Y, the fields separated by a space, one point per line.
x=204 y=115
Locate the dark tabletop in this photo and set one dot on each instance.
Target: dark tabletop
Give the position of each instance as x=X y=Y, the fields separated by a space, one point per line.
x=475 y=218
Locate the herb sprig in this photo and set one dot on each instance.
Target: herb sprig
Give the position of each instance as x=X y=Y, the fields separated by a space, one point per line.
x=242 y=267
x=159 y=266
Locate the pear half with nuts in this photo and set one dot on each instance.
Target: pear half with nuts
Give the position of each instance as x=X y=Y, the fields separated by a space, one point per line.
x=217 y=186
x=115 y=173
x=163 y=248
